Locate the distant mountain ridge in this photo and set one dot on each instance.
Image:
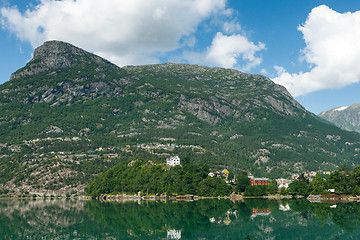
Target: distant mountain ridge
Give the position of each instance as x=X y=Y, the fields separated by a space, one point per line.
x=347 y=118
x=69 y=114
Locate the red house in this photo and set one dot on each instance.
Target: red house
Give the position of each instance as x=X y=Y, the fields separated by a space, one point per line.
x=259 y=212
x=259 y=181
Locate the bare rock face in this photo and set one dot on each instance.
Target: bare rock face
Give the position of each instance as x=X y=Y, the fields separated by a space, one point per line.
x=280 y=106
x=57 y=54
x=53 y=129
x=199 y=108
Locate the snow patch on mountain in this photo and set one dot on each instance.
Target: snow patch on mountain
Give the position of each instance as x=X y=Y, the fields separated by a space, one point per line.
x=340 y=108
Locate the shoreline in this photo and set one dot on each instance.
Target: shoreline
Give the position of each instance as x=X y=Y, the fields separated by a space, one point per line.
x=79 y=197
x=187 y=197
x=331 y=198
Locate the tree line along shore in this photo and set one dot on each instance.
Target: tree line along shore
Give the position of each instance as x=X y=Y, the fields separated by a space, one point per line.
x=154 y=179
x=141 y=178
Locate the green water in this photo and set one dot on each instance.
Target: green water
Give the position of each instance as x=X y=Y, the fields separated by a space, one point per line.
x=205 y=219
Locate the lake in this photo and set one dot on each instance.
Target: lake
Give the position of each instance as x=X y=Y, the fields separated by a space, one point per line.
x=203 y=219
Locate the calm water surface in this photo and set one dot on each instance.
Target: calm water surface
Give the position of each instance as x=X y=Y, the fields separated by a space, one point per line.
x=205 y=219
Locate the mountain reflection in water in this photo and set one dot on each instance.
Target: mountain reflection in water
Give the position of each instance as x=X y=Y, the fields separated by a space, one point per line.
x=204 y=219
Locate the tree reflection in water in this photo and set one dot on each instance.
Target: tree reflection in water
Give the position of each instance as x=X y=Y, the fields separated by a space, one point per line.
x=209 y=219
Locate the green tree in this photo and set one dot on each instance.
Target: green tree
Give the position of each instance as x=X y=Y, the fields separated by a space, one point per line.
x=273 y=187
x=283 y=191
x=356 y=191
x=303 y=178
x=185 y=161
x=213 y=187
x=356 y=174
x=242 y=181
x=256 y=190
x=318 y=185
x=299 y=188
x=342 y=181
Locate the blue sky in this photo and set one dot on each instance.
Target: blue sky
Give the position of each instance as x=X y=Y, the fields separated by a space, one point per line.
x=310 y=47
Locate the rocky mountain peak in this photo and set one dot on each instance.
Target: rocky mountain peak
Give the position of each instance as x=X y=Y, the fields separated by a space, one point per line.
x=57 y=54
x=347 y=118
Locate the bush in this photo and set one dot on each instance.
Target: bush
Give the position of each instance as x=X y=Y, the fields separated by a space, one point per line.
x=283 y=191
x=242 y=182
x=256 y=190
x=213 y=187
x=299 y=188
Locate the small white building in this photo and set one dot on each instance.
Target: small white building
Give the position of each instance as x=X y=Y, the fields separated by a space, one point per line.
x=284 y=208
x=281 y=182
x=173 y=161
x=285 y=185
x=174 y=234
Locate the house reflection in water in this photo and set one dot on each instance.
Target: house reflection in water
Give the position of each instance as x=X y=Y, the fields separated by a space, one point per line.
x=227 y=220
x=259 y=212
x=284 y=208
x=174 y=234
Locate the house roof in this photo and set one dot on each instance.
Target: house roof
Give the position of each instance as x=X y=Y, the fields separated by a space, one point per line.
x=260 y=179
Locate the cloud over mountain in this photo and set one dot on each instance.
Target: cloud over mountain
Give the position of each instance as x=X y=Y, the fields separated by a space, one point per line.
x=132 y=32
x=332 y=52
x=225 y=51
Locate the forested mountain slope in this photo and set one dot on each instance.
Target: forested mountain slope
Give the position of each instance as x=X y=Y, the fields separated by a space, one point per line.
x=69 y=114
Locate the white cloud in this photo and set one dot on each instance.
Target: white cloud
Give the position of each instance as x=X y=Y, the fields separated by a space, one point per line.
x=332 y=50
x=127 y=32
x=225 y=51
x=264 y=71
x=233 y=51
x=231 y=27
x=280 y=70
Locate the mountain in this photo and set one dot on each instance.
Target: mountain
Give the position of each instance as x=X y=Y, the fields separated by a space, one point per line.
x=69 y=115
x=347 y=118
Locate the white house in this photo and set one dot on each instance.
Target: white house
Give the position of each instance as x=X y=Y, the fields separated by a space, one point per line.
x=281 y=182
x=285 y=185
x=173 y=234
x=173 y=161
x=284 y=208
